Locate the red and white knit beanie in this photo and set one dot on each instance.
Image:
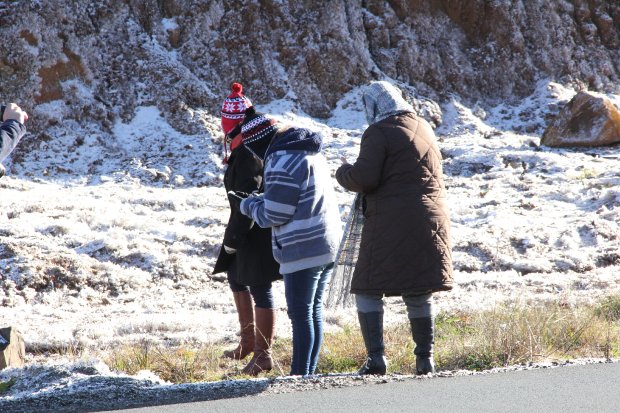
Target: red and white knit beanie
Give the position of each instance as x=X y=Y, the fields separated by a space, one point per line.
x=233 y=108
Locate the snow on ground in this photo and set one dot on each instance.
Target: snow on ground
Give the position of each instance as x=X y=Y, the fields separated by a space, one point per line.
x=110 y=237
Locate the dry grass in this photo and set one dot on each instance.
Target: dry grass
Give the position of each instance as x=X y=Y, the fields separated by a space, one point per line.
x=178 y=365
x=523 y=334
x=511 y=334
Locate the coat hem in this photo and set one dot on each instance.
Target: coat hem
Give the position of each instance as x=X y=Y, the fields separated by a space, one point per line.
x=391 y=292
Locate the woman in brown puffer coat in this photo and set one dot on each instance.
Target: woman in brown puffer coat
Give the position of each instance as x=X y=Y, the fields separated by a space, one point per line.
x=405 y=248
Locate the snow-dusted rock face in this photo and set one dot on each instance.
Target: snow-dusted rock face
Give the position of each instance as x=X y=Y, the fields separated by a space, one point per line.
x=105 y=58
x=589 y=119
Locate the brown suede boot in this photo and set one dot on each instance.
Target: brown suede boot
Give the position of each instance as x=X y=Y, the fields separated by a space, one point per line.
x=265 y=331
x=245 y=309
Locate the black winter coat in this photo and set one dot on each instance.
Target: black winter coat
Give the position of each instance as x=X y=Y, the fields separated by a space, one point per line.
x=255 y=265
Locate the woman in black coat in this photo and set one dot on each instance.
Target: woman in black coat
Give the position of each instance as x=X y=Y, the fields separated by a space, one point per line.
x=246 y=249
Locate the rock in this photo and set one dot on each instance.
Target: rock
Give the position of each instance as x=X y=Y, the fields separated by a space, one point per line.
x=589 y=119
x=12 y=348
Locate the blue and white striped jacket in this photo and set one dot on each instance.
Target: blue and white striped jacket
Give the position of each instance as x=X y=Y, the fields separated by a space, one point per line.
x=11 y=132
x=299 y=202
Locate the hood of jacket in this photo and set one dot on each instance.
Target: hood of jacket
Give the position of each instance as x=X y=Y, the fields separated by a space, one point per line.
x=295 y=139
x=382 y=100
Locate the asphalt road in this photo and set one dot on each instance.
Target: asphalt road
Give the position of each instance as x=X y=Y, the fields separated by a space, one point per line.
x=581 y=388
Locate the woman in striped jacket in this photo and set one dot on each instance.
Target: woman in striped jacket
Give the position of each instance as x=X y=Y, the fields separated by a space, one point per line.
x=300 y=207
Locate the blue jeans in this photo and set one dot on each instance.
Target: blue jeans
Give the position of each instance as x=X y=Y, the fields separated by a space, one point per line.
x=304 y=298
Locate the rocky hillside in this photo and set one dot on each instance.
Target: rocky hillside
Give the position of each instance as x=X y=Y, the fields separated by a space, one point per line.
x=97 y=60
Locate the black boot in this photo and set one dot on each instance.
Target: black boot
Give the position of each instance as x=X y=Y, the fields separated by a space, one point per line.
x=423 y=333
x=371 y=325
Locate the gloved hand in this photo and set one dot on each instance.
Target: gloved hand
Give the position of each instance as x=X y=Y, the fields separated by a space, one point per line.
x=229 y=250
x=236 y=197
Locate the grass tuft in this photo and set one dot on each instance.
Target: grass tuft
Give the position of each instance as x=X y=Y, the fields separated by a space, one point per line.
x=5 y=386
x=342 y=352
x=609 y=309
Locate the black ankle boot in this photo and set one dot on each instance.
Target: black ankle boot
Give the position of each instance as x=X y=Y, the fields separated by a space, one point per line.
x=423 y=333
x=371 y=325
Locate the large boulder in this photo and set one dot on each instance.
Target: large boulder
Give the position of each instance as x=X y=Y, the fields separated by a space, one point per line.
x=589 y=119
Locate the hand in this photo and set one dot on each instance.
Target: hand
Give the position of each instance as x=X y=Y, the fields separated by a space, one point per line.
x=12 y=111
x=235 y=197
x=344 y=160
x=240 y=194
x=229 y=250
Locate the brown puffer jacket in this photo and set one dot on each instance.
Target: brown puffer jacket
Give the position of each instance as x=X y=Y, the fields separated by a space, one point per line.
x=405 y=247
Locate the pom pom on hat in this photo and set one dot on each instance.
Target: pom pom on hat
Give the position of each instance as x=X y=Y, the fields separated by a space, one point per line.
x=237 y=88
x=233 y=108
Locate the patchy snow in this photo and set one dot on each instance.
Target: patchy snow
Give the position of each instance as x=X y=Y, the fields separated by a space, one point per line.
x=109 y=237
x=170 y=24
